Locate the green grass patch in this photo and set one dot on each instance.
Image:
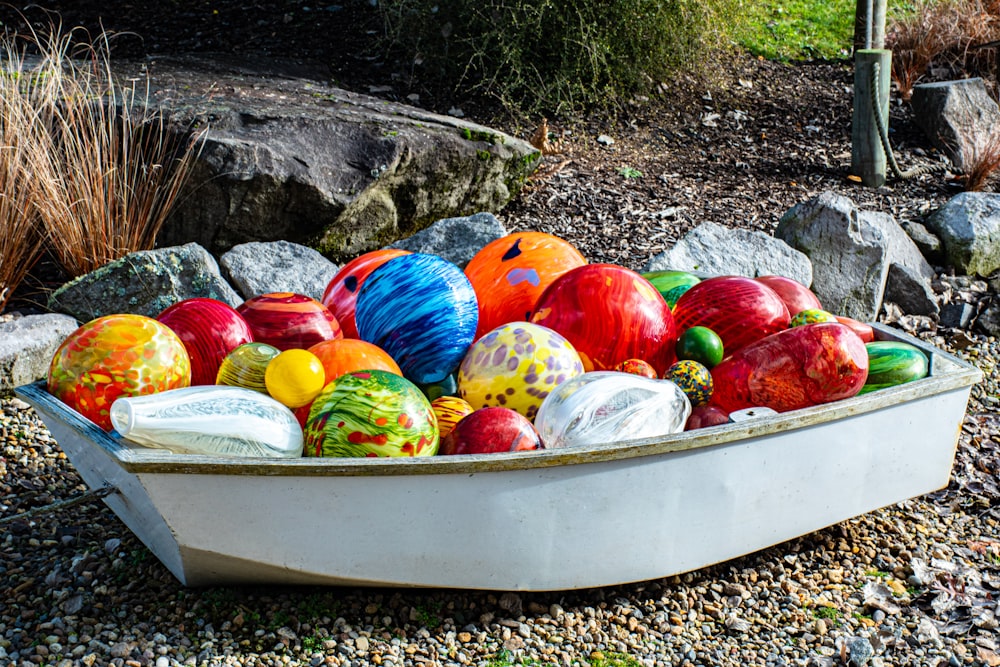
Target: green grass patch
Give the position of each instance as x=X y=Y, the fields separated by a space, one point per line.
x=799 y=30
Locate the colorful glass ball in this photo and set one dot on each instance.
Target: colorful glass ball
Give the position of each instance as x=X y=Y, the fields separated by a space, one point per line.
x=609 y=314
x=113 y=356
x=811 y=316
x=492 y=431
x=371 y=413
x=210 y=330
x=343 y=355
x=671 y=284
x=294 y=377
x=510 y=273
x=516 y=365
x=287 y=320
x=422 y=310
x=694 y=379
x=449 y=410
x=740 y=310
x=700 y=344
x=797 y=297
x=246 y=365
x=341 y=293
x=637 y=367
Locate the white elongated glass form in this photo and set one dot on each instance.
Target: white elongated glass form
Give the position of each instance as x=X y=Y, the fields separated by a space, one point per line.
x=213 y=420
x=606 y=407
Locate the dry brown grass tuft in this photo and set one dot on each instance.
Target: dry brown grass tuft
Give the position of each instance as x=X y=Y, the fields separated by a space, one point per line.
x=112 y=170
x=945 y=32
x=981 y=160
x=24 y=94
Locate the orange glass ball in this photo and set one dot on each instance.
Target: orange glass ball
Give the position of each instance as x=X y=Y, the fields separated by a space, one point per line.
x=346 y=355
x=510 y=274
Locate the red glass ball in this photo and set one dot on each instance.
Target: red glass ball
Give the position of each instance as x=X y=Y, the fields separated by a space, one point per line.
x=795 y=368
x=740 y=310
x=287 y=320
x=341 y=293
x=210 y=330
x=609 y=314
x=797 y=297
x=490 y=431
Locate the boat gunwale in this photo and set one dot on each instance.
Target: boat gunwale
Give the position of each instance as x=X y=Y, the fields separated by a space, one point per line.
x=135 y=460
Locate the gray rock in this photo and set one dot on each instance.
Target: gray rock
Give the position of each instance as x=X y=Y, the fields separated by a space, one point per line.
x=957 y=315
x=908 y=283
x=860 y=651
x=297 y=160
x=989 y=319
x=455 y=239
x=27 y=345
x=969 y=228
x=926 y=241
x=277 y=266
x=958 y=117
x=717 y=250
x=849 y=253
x=145 y=283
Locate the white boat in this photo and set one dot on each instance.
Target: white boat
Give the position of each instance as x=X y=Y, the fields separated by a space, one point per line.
x=545 y=520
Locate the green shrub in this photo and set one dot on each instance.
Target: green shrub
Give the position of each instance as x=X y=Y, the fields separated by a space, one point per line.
x=558 y=56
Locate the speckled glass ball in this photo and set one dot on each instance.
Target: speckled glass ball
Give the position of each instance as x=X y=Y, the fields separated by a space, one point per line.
x=515 y=366
x=371 y=413
x=811 y=316
x=694 y=379
x=113 y=356
x=637 y=367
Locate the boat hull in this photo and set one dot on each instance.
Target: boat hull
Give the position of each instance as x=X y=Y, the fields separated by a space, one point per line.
x=547 y=520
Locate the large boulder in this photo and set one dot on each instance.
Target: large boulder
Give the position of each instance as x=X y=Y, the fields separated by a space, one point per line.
x=297 y=160
x=958 y=117
x=848 y=250
x=27 y=345
x=145 y=283
x=713 y=249
x=261 y=267
x=969 y=228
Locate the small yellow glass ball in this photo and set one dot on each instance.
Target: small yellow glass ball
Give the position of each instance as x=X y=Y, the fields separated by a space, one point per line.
x=295 y=377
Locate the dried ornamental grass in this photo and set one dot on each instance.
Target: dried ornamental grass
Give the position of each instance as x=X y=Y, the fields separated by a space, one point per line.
x=23 y=92
x=114 y=169
x=982 y=160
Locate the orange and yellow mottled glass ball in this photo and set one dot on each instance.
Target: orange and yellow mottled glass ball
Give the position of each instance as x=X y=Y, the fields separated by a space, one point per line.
x=449 y=410
x=694 y=379
x=113 y=356
x=637 y=367
x=811 y=316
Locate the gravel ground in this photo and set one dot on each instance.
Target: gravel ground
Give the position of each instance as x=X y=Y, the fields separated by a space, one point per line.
x=912 y=584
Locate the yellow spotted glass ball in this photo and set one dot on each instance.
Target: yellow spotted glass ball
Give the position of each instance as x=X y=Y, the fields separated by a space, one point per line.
x=295 y=377
x=515 y=366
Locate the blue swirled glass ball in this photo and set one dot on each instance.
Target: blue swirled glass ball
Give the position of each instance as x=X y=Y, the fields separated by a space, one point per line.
x=422 y=310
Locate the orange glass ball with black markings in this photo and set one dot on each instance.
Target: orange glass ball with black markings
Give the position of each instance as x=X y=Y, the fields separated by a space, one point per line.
x=609 y=314
x=288 y=320
x=509 y=274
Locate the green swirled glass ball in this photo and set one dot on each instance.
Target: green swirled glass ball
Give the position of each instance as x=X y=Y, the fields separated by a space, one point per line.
x=371 y=413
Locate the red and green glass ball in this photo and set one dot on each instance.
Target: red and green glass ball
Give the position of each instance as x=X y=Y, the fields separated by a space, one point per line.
x=114 y=356
x=371 y=413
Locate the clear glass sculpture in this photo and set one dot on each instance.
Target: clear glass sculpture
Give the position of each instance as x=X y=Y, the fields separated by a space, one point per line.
x=214 y=420
x=603 y=407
